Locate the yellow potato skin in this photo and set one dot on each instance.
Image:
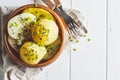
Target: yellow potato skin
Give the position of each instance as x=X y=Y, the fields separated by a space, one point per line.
x=39 y=13
x=31 y=53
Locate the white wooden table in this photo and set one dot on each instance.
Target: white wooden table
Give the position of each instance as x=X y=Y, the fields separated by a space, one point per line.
x=94 y=60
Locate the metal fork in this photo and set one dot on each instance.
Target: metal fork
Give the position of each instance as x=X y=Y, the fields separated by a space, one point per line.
x=72 y=26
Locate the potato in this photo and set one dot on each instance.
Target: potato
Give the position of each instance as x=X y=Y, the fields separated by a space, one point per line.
x=45 y=32
x=39 y=13
x=52 y=49
x=18 y=24
x=31 y=53
x=13 y=43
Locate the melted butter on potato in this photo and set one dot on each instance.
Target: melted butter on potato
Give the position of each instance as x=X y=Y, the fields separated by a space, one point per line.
x=31 y=53
x=39 y=13
x=45 y=32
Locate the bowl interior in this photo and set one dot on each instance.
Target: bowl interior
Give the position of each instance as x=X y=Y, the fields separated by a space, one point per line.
x=15 y=56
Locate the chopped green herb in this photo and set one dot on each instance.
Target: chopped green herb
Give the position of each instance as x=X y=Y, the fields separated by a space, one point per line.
x=32 y=23
x=71 y=38
x=88 y=39
x=41 y=16
x=26 y=19
x=84 y=35
x=11 y=25
x=19 y=41
x=32 y=50
x=36 y=12
x=40 y=38
x=28 y=59
x=74 y=49
x=19 y=34
x=23 y=47
x=77 y=41
x=13 y=33
x=14 y=24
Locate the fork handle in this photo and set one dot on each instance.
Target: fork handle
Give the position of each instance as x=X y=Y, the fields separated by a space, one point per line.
x=58 y=3
x=49 y=4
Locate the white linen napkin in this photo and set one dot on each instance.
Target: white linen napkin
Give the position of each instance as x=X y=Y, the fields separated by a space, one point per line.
x=13 y=71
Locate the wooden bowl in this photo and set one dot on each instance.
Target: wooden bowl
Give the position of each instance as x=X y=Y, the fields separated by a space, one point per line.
x=15 y=56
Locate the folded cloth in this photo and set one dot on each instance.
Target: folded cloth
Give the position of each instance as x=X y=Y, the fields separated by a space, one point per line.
x=13 y=71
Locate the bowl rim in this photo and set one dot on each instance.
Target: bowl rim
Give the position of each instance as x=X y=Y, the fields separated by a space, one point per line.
x=7 y=46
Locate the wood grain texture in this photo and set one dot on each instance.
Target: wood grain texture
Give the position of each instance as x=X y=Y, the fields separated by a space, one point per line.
x=113 y=60
x=89 y=61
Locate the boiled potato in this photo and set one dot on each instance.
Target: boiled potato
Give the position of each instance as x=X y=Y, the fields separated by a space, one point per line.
x=52 y=49
x=39 y=13
x=13 y=43
x=31 y=53
x=17 y=25
x=45 y=32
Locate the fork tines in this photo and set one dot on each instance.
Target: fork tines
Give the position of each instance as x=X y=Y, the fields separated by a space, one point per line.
x=72 y=26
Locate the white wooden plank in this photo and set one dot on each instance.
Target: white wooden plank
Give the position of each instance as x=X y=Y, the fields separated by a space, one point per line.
x=114 y=40
x=89 y=61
